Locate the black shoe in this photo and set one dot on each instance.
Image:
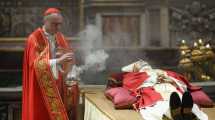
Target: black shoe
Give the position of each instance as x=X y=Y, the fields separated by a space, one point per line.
x=187 y=105
x=175 y=106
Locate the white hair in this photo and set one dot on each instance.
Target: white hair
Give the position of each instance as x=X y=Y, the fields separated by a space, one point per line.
x=51 y=15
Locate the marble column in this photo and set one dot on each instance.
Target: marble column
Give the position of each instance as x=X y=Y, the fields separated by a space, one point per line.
x=82 y=14
x=144 y=23
x=164 y=24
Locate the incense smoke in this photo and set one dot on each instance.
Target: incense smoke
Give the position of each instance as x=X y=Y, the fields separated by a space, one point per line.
x=95 y=56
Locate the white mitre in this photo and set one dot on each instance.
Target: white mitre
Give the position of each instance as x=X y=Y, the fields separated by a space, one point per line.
x=138 y=66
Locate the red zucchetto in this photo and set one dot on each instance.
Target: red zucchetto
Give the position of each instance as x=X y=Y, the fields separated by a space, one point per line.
x=50 y=11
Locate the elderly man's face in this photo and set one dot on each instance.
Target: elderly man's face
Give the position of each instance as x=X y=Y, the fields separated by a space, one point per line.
x=53 y=23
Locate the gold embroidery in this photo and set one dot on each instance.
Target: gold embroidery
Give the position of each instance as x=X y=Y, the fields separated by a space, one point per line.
x=50 y=92
x=54 y=106
x=47 y=85
x=41 y=65
x=45 y=77
x=46 y=80
x=59 y=117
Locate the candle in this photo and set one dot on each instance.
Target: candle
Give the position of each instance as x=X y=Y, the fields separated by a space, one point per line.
x=200 y=41
x=183 y=52
x=183 y=41
x=208 y=46
x=195 y=44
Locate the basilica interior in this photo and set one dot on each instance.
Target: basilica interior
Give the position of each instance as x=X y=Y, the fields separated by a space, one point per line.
x=160 y=32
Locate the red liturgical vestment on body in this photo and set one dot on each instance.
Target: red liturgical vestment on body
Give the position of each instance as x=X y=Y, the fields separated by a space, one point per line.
x=41 y=92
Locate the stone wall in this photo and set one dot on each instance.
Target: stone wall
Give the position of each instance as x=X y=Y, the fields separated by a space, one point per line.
x=156 y=41
x=20 y=17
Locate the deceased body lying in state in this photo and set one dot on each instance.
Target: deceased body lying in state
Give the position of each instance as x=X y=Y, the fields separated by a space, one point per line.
x=140 y=92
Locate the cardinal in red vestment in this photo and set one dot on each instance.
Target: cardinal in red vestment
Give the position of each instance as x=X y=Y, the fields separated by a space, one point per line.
x=44 y=69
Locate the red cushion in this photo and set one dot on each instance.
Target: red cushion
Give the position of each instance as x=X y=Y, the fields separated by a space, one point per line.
x=111 y=92
x=120 y=97
x=201 y=98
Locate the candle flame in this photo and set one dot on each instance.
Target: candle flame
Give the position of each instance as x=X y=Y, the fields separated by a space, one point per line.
x=208 y=46
x=195 y=44
x=200 y=41
x=183 y=41
x=183 y=52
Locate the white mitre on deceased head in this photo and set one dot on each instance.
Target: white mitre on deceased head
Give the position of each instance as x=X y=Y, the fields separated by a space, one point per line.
x=138 y=66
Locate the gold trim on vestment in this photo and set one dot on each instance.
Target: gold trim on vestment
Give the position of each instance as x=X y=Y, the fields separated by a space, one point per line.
x=49 y=92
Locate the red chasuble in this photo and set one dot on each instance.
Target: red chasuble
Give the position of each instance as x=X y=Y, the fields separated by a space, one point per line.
x=41 y=93
x=149 y=96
